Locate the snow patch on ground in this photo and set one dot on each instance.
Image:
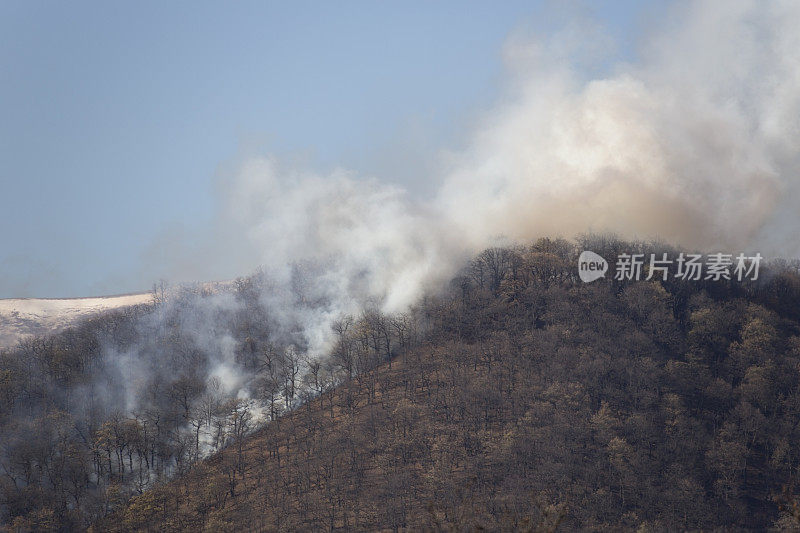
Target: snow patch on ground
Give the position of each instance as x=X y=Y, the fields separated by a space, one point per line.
x=24 y=317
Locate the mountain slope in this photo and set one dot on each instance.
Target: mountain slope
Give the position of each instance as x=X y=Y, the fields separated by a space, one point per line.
x=533 y=402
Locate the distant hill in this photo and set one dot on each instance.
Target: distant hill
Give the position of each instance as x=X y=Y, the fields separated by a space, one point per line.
x=24 y=318
x=21 y=318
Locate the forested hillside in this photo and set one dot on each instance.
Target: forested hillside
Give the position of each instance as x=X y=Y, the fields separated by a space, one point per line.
x=516 y=398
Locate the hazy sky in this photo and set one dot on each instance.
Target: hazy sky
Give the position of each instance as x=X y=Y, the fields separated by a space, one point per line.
x=116 y=118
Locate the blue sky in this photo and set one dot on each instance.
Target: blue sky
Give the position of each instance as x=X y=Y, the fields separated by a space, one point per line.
x=115 y=117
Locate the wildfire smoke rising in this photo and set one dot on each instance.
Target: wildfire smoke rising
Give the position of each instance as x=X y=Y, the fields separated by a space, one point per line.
x=695 y=142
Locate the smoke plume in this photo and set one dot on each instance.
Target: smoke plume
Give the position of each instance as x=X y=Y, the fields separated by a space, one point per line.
x=695 y=142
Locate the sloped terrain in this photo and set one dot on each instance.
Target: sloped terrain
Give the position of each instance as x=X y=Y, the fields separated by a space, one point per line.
x=531 y=402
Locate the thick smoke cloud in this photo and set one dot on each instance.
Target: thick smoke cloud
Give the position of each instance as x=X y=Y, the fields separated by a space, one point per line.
x=695 y=143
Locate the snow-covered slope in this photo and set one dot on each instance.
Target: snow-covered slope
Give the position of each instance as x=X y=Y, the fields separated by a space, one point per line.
x=22 y=317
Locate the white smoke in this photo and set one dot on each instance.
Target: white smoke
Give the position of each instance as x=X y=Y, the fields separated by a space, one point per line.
x=361 y=242
x=379 y=243
x=695 y=143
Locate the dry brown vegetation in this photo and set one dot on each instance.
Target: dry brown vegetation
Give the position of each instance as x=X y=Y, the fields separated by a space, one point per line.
x=533 y=402
x=517 y=399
